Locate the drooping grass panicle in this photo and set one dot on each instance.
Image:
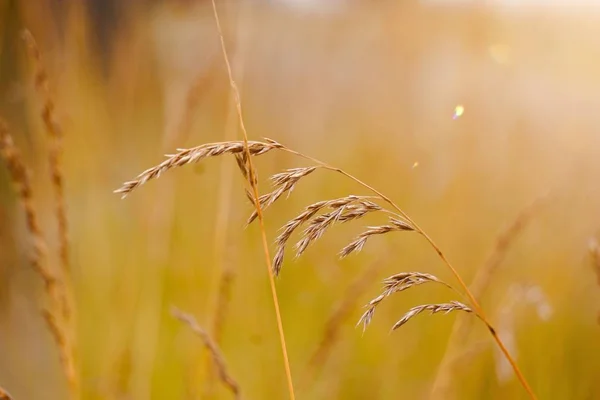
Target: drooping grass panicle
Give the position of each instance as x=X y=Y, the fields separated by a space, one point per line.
x=289 y=228
x=400 y=221
x=242 y=163
x=405 y=280
x=215 y=352
x=433 y=309
x=353 y=209
x=292 y=174
x=394 y=284
x=284 y=182
x=193 y=155
x=344 y=209
x=477 y=309
x=359 y=242
x=316 y=228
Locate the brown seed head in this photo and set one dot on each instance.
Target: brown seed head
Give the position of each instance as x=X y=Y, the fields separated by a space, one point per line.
x=193 y=155
x=434 y=309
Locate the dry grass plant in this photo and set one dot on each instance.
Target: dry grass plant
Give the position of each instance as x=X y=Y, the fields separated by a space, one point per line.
x=399 y=283
x=213 y=349
x=444 y=308
x=320 y=216
x=339 y=210
x=54 y=315
x=248 y=149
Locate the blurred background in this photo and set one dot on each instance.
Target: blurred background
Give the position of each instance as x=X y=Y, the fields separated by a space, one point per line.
x=462 y=112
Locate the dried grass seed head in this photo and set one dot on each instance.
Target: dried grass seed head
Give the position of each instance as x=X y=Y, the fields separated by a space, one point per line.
x=284 y=182
x=394 y=284
x=405 y=280
x=319 y=224
x=433 y=309
x=353 y=209
x=359 y=242
x=193 y=155
x=242 y=162
x=308 y=214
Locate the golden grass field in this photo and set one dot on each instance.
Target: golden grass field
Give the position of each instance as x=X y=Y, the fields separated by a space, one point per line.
x=512 y=183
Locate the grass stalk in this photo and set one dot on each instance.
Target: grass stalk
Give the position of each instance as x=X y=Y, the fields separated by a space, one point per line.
x=254 y=186
x=343 y=209
x=224 y=271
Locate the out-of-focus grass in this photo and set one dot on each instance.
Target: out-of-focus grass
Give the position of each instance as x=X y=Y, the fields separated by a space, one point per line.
x=372 y=90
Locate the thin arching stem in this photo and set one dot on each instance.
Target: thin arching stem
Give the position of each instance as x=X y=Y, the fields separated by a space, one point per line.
x=253 y=184
x=474 y=303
